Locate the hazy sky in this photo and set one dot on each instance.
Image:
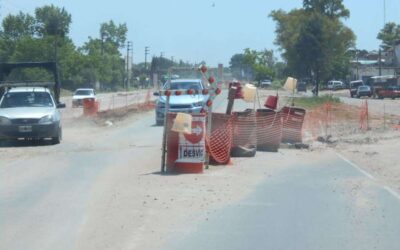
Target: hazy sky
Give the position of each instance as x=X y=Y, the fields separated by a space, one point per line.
x=210 y=30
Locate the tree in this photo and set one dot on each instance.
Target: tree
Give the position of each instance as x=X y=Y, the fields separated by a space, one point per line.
x=111 y=33
x=331 y=8
x=52 y=21
x=103 y=61
x=389 y=35
x=18 y=26
x=314 y=41
x=32 y=38
x=237 y=65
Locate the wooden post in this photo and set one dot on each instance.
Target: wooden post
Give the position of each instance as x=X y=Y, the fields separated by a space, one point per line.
x=231 y=100
x=165 y=131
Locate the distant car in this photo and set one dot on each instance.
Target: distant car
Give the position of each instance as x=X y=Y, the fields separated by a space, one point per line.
x=30 y=113
x=364 y=90
x=354 y=86
x=265 y=83
x=80 y=94
x=185 y=102
x=390 y=92
x=335 y=85
x=302 y=87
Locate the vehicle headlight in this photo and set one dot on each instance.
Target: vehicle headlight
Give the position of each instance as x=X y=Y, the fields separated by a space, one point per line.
x=4 y=121
x=46 y=119
x=198 y=104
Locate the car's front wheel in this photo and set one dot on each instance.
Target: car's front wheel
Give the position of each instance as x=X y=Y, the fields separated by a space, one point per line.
x=57 y=139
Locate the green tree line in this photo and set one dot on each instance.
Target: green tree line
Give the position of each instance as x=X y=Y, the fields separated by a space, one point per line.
x=313 y=40
x=44 y=36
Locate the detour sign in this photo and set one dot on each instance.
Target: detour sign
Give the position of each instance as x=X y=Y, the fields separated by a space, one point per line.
x=192 y=146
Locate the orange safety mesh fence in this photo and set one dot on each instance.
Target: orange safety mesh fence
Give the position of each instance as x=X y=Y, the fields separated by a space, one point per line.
x=364 y=116
x=139 y=99
x=293 y=119
x=269 y=130
x=219 y=144
x=338 y=119
x=245 y=129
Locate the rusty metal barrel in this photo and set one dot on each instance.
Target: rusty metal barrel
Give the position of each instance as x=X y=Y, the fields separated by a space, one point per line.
x=293 y=118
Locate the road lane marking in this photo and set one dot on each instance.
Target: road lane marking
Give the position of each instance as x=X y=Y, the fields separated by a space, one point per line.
x=356 y=167
x=388 y=189
x=391 y=191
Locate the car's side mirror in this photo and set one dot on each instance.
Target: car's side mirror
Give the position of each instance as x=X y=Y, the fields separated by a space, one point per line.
x=61 y=105
x=156 y=93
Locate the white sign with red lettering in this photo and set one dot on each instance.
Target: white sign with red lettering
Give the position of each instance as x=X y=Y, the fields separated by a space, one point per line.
x=192 y=146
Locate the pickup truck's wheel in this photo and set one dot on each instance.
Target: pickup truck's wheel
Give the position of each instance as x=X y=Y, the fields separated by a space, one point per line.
x=58 y=138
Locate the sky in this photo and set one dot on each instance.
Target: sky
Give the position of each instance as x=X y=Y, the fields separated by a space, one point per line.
x=209 y=30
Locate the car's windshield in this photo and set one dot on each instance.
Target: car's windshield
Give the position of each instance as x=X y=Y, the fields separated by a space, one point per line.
x=184 y=85
x=363 y=88
x=26 y=99
x=356 y=84
x=83 y=92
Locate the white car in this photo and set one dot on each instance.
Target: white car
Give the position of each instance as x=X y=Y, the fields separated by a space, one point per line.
x=335 y=85
x=80 y=94
x=265 y=83
x=30 y=113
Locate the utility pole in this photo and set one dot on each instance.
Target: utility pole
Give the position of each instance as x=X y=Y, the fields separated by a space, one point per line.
x=358 y=77
x=380 y=62
x=128 y=52
x=102 y=42
x=146 y=53
x=384 y=12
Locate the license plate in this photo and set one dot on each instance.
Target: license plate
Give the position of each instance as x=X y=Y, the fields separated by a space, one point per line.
x=25 y=129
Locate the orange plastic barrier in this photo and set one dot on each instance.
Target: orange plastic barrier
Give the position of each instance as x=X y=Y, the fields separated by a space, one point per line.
x=269 y=130
x=90 y=107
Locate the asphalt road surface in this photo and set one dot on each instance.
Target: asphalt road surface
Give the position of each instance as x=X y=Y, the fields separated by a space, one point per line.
x=329 y=204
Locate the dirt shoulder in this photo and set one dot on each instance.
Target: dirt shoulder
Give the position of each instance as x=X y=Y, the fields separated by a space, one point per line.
x=377 y=152
x=374 y=150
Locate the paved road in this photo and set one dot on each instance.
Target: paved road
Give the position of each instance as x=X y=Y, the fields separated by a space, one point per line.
x=45 y=190
x=324 y=205
x=377 y=106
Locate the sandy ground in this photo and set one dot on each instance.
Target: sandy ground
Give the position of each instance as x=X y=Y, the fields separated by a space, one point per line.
x=374 y=150
x=377 y=153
